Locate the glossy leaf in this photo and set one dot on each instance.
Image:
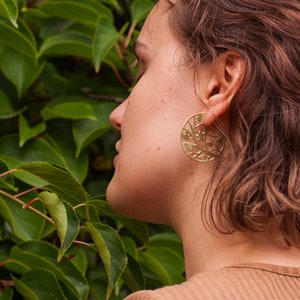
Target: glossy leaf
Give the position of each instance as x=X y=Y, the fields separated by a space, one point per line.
x=19 y=69
x=133 y=276
x=78 y=258
x=26 y=224
x=86 y=131
x=6 y=109
x=27 y=132
x=20 y=39
x=67 y=43
x=166 y=264
x=8 y=183
x=80 y=11
x=25 y=291
x=59 y=136
x=61 y=182
x=139 y=9
x=9 y=10
x=36 y=254
x=111 y=251
x=69 y=110
x=7 y=294
x=105 y=37
x=113 y=3
x=139 y=229
x=65 y=220
x=39 y=284
x=170 y=240
x=39 y=150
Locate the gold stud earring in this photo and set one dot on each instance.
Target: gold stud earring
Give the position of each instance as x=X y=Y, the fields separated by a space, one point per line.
x=196 y=143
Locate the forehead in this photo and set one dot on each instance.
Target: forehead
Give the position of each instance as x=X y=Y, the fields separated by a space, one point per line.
x=156 y=28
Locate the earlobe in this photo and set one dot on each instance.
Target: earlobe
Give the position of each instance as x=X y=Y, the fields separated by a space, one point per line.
x=227 y=75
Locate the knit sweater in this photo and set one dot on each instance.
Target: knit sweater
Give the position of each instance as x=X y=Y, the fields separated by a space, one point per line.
x=243 y=282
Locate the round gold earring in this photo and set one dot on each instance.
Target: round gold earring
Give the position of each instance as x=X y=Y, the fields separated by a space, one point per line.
x=196 y=143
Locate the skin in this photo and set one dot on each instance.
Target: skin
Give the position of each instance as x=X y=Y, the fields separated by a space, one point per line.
x=154 y=180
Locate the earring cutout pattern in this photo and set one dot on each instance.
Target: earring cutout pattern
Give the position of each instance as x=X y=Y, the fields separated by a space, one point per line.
x=197 y=144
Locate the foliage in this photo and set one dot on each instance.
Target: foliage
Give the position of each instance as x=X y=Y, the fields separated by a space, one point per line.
x=64 y=66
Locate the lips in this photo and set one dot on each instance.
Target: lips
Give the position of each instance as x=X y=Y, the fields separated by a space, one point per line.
x=118 y=146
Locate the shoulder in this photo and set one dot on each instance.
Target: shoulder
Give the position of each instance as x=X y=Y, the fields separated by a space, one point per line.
x=256 y=281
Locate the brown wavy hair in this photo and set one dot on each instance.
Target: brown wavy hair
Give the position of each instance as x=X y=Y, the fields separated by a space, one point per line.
x=260 y=188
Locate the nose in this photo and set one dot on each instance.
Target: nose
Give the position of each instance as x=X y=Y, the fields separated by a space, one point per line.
x=116 y=116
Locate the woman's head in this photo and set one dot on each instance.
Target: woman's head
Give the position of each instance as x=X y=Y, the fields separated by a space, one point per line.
x=239 y=62
x=260 y=189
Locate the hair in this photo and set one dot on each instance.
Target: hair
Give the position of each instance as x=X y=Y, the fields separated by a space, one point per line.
x=260 y=188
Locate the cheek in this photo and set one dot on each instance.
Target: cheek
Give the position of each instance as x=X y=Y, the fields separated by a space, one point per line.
x=147 y=177
x=141 y=184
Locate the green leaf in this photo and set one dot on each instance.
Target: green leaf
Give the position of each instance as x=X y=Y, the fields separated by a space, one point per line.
x=133 y=276
x=59 y=135
x=166 y=264
x=20 y=39
x=139 y=10
x=78 y=258
x=33 y=150
x=67 y=43
x=80 y=11
x=65 y=220
x=19 y=69
x=86 y=131
x=39 y=284
x=25 y=224
x=113 y=3
x=25 y=291
x=7 y=183
x=61 y=182
x=68 y=110
x=9 y=10
x=105 y=37
x=6 y=109
x=139 y=229
x=37 y=254
x=170 y=240
x=26 y=132
x=38 y=150
x=7 y=294
x=111 y=251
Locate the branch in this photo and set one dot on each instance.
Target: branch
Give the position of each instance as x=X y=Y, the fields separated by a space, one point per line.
x=24 y=204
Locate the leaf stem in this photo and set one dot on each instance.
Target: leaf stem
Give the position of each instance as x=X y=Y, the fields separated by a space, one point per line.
x=84 y=244
x=78 y=206
x=24 y=204
x=28 y=191
x=129 y=35
x=7 y=172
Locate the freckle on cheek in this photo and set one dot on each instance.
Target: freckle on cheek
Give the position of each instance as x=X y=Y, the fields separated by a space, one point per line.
x=158 y=148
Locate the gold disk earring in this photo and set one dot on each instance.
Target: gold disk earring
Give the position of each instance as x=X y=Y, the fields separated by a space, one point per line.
x=196 y=143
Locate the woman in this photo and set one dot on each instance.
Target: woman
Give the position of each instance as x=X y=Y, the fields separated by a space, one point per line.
x=210 y=144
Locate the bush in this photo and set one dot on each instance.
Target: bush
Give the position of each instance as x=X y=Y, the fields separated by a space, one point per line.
x=64 y=66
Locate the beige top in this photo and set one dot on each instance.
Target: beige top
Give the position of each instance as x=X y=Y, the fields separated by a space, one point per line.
x=243 y=282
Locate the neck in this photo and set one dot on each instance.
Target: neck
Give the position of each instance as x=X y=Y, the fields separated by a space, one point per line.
x=205 y=251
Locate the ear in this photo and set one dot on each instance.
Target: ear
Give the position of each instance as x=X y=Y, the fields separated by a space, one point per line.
x=226 y=76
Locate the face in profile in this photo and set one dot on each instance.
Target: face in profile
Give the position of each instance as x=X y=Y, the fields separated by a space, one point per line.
x=151 y=171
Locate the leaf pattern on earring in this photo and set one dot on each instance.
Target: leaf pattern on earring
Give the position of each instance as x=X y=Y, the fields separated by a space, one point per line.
x=196 y=143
